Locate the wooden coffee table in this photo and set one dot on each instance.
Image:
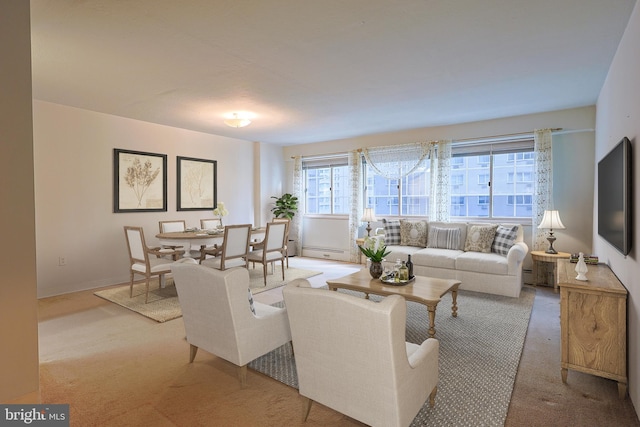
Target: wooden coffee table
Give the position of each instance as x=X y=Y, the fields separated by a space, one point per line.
x=423 y=290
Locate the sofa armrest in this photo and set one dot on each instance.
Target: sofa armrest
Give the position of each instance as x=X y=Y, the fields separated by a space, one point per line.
x=515 y=256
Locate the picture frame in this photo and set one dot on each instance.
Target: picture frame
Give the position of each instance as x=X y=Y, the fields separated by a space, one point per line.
x=139 y=181
x=197 y=184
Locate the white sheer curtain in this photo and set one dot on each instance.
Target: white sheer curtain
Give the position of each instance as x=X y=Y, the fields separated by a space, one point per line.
x=396 y=161
x=440 y=197
x=298 y=191
x=355 y=174
x=543 y=191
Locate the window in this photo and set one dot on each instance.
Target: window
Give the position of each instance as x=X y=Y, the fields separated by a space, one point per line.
x=327 y=186
x=406 y=196
x=497 y=180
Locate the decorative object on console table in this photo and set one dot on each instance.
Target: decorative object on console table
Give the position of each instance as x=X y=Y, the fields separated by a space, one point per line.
x=551 y=220
x=549 y=259
x=581 y=268
x=588 y=259
x=368 y=217
x=593 y=324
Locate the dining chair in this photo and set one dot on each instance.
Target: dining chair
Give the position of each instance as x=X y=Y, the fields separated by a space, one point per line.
x=352 y=356
x=234 y=250
x=210 y=223
x=272 y=249
x=172 y=226
x=286 y=237
x=146 y=261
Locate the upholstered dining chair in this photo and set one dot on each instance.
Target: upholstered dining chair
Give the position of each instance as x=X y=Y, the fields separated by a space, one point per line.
x=259 y=245
x=351 y=355
x=234 y=250
x=272 y=248
x=220 y=318
x=146 y=261
x=210 y=223
x=171 y=226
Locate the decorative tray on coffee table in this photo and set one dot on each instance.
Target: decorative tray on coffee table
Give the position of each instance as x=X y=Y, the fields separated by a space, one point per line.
x=389 y=280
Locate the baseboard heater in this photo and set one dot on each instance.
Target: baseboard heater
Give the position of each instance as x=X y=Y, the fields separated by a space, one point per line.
x=325 y=253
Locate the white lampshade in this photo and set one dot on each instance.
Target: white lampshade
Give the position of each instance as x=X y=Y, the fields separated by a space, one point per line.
x=369 y=215
x=551 y=220
x=237 y=122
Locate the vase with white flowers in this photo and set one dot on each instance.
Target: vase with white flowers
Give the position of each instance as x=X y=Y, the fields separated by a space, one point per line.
x=375 y=249
x=220 y=211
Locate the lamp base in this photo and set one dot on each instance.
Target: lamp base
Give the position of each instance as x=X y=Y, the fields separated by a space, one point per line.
x=551 y=250
x=368 y=229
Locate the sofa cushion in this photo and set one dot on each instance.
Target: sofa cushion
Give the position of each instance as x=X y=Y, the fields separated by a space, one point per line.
x=444 y=238
x=462 y=226
x=433 y=257
x=480 y=262
x=505 y=238
x=413 y=233
x=391 y=232
x=480 y=238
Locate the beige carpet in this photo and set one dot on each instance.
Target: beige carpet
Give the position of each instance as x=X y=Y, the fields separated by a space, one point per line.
x=163 y=303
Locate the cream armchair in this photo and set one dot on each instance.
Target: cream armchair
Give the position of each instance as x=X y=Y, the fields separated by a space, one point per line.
x=218 y=315
x=351 y=355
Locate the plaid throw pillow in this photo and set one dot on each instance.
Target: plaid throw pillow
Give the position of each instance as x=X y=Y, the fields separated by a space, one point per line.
x=444 y=238
x=391 y=232
x=504 y=239
x=253 y=309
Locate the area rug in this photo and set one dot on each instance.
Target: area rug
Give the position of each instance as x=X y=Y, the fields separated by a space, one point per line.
x=479 y=356
x=163 y=303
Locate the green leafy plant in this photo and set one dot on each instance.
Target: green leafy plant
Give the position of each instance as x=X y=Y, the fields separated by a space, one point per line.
x=286 y=206
x=374 y=249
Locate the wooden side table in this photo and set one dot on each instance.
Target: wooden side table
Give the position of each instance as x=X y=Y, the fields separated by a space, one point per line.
x=593 y=324
x=542 y=256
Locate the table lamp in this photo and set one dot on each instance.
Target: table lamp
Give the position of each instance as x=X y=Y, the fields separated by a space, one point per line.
x=368 y=217
x=551 y=220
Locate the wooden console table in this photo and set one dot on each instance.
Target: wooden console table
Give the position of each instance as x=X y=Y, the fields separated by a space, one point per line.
x=542 y=256
x=593 y=323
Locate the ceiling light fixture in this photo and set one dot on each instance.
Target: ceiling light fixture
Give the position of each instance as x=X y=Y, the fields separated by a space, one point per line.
x=237 y=122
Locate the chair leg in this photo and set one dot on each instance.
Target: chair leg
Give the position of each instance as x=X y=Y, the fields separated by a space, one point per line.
x=264 y=270
x=146 y=296
x=307 y=409
x=242 y=375
x=131 y=286
x=192 y=352
x=432 y=396
x=282 y=267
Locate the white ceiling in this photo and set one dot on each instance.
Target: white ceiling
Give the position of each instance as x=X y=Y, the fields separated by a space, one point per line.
x=310 y=71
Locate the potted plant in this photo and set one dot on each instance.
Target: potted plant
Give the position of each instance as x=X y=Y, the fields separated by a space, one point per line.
x=286 y=206
x=374 y=249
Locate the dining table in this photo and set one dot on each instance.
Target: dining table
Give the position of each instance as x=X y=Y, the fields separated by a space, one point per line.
x=199 y=238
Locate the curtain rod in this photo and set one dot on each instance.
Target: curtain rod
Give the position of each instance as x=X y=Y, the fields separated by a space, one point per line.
x=496 y=137
x=487 y=138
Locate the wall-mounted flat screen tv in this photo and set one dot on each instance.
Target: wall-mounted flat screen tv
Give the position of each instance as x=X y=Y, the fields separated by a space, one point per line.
x=615 y=219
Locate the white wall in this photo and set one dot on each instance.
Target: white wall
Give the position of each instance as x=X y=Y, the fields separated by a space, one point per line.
x=573 y=153
x=19 y=376
x=74 y=195
x=618 y=115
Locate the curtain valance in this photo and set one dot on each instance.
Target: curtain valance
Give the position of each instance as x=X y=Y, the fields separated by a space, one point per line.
x=396 y=161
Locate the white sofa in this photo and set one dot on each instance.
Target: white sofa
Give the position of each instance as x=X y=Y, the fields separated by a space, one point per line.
x=487 y=272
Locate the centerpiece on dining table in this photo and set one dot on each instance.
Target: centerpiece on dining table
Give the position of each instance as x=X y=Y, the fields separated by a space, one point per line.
x=375 y=249
x=220 y=211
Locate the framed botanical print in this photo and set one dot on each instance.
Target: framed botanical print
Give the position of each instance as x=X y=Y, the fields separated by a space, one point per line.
x=139 y=181
x=197 y=184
